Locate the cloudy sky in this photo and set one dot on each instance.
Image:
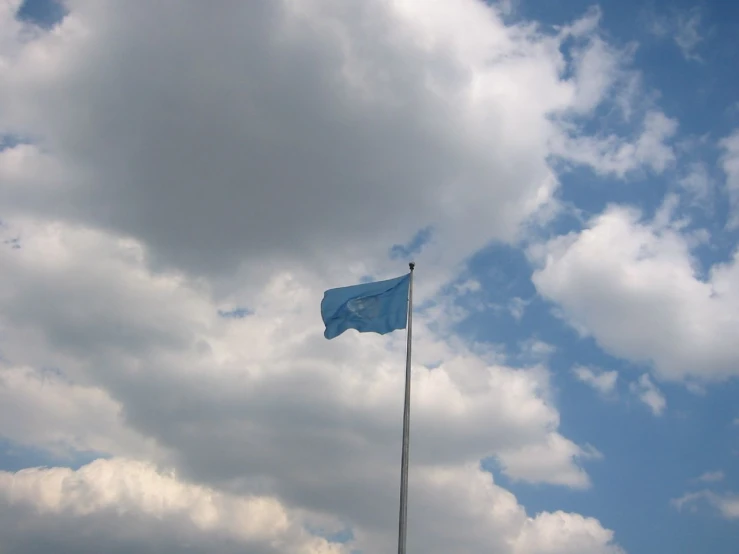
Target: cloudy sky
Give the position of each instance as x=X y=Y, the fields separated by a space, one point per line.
x=180 y=181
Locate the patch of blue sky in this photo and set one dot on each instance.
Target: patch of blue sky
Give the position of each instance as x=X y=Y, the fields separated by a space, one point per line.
x=8 y=140
x=15 y=456
x=44 y=13
x=235 y=313
x=341 y=536
x=413 y=247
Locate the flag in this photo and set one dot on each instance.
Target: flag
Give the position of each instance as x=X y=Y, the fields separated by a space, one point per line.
x=377 y=307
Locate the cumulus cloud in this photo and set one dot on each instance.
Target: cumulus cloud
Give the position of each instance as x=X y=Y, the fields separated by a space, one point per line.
x=635 y=286
x=535 y=462
x=257 y=403
x=443 y=98
x=114 y=505
x=119 y=504
x=247 y=159
x=84 y=418
x=560 y=533
x=186 y=345
x=257 y=190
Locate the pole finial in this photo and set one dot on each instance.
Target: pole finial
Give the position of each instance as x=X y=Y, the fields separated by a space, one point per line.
x=412 y=265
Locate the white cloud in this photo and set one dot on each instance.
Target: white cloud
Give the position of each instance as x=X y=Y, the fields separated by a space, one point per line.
x=536 y=350
x=685 y=27
x=560 y=533
x=597 y=68
x=697 y=182
x=475 y=109
x=84 y=418
x=254 y=159
x=712 y=477
x=635 y=286
x=469 y=286
x=259 y=403
x=649 y=394
x=428 y=129
x=125 y=504
x=726 y=504
x=517 y=307
x=688 y=35
x=537 y=461
x=615 y=155
x=730 y=165
x=602 y=381
x=729 y=506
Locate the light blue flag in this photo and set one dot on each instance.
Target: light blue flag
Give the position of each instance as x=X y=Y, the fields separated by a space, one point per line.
x=377 y=307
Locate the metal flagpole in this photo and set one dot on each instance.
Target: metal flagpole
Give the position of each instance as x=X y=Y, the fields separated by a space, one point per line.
x=403 y=518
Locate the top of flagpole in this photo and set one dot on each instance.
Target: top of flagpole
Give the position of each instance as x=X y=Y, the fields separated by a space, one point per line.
x=412 y=265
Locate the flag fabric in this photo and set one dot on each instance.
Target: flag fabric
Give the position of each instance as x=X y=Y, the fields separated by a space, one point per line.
x=376 y=307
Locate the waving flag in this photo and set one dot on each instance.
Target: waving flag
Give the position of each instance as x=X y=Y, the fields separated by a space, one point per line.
x=377 y=307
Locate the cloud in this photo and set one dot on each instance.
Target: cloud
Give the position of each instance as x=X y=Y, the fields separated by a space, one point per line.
x=649 y=394
x=726 y=504
x=123 y=504
x=254 y=191
x=697 y=182
x=119 y=504
x=261 y=402
x=182 y=164
x=602 y=381
x=260 y=151
x=684 y=27
x=615 y=155
x=535 y=462
x=730 y=164
x=84 y=418
x=517 y=307
x=688 y=35
x=535 y=350
x=635 y=286
x=582 y=536
x=712 y=477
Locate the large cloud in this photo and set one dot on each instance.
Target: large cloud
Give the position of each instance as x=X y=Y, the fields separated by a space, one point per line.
x=293 y=142
x=275 y=131
x=119 y=505
x=262 y=402
x=637 y=288
x=116 y=505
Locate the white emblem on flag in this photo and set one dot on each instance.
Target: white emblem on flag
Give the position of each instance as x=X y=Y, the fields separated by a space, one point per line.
x=367 y=307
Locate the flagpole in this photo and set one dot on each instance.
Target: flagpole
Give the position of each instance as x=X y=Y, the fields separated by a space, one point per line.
x=403 y=517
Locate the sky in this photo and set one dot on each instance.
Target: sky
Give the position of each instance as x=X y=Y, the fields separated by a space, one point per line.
x=181 y=181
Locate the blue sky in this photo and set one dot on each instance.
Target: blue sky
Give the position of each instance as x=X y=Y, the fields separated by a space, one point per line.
x=684 y=54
